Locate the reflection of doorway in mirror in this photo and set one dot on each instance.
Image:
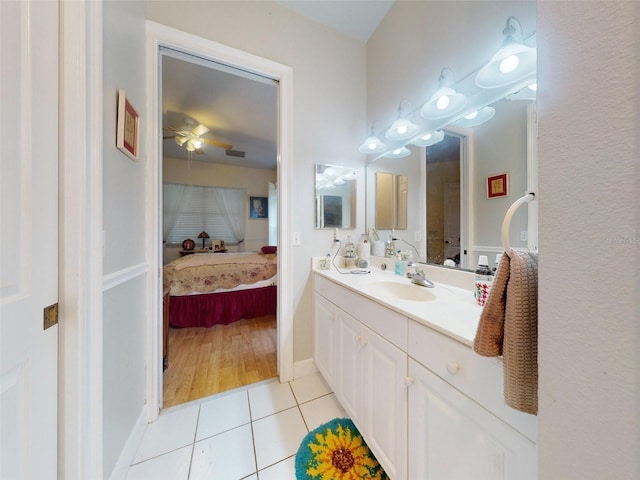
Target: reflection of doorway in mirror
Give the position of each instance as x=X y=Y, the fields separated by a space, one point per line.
x=443 y=210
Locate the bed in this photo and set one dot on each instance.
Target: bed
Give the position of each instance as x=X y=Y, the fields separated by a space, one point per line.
x=208 y=289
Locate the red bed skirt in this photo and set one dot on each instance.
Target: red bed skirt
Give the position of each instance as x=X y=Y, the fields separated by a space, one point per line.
x=221 y=308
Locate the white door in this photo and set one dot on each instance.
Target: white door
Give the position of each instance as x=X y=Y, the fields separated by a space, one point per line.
x=28 y=239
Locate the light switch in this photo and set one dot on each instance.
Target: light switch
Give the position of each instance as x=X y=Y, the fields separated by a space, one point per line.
x=523 y=236
x=297 y=240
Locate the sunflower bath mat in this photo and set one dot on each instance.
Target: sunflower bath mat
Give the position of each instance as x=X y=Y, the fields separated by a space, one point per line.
x=336 y=451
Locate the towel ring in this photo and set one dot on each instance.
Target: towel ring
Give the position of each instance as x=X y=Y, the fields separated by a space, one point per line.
x=530 y=196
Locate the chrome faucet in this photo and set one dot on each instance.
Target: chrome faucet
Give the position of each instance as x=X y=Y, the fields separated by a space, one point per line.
x=419 y=279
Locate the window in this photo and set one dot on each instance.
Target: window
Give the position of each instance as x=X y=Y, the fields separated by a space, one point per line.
x=189 y=209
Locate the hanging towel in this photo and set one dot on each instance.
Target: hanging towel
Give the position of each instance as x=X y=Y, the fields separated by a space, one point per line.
x=509 y=327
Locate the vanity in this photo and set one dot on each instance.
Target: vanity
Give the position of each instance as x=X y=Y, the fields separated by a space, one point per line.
x=398 y=357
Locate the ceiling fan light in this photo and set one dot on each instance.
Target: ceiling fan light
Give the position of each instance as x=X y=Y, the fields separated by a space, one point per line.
x=197 y=143
x=190 y=146
x=180 y=140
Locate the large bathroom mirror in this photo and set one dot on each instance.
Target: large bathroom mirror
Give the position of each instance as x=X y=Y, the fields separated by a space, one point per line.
x=335 y=195
x=451 y=213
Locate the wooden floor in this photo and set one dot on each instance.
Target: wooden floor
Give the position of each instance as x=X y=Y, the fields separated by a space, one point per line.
x=204 y=361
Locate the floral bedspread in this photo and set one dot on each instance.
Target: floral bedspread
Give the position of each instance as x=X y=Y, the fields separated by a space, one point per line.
x=207 y=272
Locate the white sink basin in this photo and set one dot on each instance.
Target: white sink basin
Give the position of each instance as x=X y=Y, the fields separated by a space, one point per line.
x=401 y=291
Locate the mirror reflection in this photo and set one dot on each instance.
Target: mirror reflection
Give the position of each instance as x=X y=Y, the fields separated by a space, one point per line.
x=391 y=201
x=335 y=195
x=450 y=214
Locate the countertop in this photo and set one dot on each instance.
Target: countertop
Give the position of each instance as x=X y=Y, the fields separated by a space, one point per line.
x=453 y=310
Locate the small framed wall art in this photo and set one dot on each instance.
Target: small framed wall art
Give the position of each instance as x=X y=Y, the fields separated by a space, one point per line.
x=128 y=129
x=498 y=186
x=258 y=207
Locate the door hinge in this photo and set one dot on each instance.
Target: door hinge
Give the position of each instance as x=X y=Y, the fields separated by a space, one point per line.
x=50 y=316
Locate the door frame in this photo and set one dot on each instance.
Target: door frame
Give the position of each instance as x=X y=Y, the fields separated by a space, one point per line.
x=162 y=36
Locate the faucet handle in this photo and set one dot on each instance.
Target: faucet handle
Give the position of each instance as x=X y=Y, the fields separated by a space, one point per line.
x=418 y=269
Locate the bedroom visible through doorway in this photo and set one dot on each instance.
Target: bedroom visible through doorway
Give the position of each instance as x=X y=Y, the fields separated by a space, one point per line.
x=219 y=152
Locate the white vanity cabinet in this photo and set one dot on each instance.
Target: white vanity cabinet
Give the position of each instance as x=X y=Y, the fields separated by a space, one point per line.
x=451 y=437
x=428 y=407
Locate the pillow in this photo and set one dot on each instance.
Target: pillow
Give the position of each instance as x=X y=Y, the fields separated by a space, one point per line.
x=269 y=249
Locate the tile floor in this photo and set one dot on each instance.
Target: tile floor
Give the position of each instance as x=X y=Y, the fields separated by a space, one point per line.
x=251 y=433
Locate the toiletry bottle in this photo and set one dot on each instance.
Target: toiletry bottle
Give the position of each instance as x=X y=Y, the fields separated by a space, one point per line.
x=325 y=263
x=399 y=265
x=483 y=280
x=495 y=265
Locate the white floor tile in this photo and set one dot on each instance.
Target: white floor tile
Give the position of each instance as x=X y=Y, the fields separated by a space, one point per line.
x=228 y=456
x=309 y=387
x=278 y=436
x=284 y=470
x=223 y=413
x=171 y=431
x=321 y=410
x=170 y=466
x=269 y=399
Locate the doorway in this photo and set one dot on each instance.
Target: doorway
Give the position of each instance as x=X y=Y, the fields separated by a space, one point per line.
x=163 y=37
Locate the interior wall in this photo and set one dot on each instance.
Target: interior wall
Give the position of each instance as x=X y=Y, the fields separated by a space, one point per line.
x=124 y=235
x=254 y=180
x=328 y=111
x=589 y=278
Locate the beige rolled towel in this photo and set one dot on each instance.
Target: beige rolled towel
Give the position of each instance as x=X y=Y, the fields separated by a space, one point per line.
x=509 y=327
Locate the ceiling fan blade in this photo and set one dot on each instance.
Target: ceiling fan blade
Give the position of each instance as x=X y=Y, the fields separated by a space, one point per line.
x=225 y=146
x=200 y=130
x=168 y=137
x=171 y=129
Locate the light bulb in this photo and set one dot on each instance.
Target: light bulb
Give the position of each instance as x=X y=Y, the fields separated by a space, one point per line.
x=427 y=136
x=509 y=64
x=442 y=102
x=197 y=143
x=472 y=115
x=398 y=151
x=534 y=87
x=371 y=145
x=402 y=129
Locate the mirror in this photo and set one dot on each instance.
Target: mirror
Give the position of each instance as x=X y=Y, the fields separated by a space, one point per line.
x=391 y=201
x=502 y=145
x=335 y=195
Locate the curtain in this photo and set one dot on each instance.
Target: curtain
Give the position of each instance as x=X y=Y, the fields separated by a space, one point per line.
x=174 y=201
x=231 y=203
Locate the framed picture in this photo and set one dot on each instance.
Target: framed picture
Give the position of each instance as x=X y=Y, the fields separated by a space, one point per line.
x=258 y=207
x=498 y=186
x=128 y=128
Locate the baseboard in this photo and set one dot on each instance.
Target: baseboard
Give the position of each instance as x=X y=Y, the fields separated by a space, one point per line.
x=304 y=367
x=130 y=447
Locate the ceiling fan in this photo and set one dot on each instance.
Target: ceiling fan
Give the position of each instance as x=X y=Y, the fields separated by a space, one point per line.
x=192 y=138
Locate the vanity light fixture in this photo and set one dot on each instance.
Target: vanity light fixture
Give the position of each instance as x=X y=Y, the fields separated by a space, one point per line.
x=429 y=139
x=402 y=128
x=399 y=153
x=514 y=62
x=372 y=144
x=476 y=118
x=446 y=101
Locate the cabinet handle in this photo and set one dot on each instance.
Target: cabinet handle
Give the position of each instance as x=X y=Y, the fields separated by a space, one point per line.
x=453 y=367
x=409 y=381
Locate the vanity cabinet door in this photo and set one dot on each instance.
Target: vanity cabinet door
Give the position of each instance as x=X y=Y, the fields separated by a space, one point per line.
x=351 y=345
x=325 y=352
x=451 y=437
x=385 y=373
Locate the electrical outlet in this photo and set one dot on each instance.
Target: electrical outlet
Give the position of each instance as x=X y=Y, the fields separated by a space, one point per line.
x=523 y=236
x=297 y=240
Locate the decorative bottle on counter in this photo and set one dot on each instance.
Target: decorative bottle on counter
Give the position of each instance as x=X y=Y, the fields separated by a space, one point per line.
x=483 y=280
